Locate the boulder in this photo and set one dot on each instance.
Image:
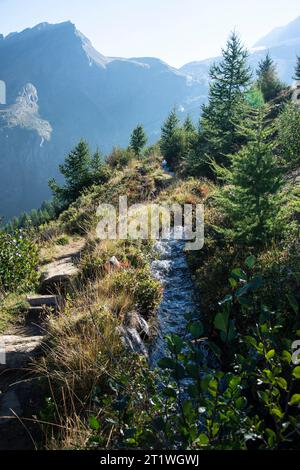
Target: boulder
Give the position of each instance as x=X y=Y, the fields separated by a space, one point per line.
x=59 y=272
x=114 y=262
x=17 y=350
x=135 y=321
x=133 y=340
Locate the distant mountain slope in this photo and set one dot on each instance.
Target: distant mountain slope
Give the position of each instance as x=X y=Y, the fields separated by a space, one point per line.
x=284 y=35
x=59 y=89
x=283 y=44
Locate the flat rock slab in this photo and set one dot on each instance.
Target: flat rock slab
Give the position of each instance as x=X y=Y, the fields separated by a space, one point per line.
x=43 y=300
x=58 y=271
x=71 y=250
x=18 y=351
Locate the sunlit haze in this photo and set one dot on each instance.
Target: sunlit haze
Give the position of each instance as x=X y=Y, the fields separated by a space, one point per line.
x=177 y=31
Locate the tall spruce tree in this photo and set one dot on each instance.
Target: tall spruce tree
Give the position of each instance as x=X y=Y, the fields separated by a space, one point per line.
x=76 y=171
x=138 y=139
x=188 y=124
x=297 y=70
x=99 y=169
x=169 y=140
x=288 y=125
x=267 y=79
x=229 y=80
x=250 y=197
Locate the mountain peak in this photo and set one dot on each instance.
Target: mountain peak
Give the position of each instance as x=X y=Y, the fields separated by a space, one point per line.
x=63 y=33
x=40 y=28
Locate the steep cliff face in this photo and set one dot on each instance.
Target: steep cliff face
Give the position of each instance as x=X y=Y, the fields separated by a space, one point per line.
x=59 y=89
x=24 y=136
x=24 y=113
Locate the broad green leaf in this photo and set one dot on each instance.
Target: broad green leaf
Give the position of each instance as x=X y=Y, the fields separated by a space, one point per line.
x=233 y=282
x=213 y=387
x=235 y=381
x=175 y=343
x=276 y=411
x=221 y=321
x=296 y=372
x=94 y=423
x=202 y=440
x=282 y=383
x=241 y=403
x=270 y=354
x=230 y=334
x=166 y=363
x=252 y=341
x=196 y=329
x=264 y=397
x=271 y=437
x=205 y=382
x=295 y=400
x=286 y=356
x=250 y=261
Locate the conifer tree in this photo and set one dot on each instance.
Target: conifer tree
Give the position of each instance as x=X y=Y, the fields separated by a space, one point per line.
x=288 y=126
x=229 y=80
x=24 y=220
x=34 y=217
x=297 y=69
x=138 y=139
x=99 y=170
x=267 y=79
x=250 y=197
x=168 y=144
x=48 y=209
x=188 y=124
x=76 y=171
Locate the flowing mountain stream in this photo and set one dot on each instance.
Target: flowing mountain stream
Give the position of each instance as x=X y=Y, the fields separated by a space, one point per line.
x=171 y=269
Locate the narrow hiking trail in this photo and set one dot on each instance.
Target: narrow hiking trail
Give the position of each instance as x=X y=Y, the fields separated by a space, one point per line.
x=172 y=270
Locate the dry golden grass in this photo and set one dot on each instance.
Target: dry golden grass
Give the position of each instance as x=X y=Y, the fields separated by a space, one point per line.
x=82 y=352
x=190 y=191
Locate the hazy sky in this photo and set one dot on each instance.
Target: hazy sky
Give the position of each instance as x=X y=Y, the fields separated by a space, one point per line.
x=177 y=31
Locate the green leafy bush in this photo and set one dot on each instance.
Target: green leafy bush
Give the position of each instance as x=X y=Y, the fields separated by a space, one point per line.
x=147 y=291
x=119 y=158
x=18 y=262
x=247 y=397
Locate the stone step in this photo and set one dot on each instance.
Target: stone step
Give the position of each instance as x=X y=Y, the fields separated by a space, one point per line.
x=59 y=272
x=16 y=351
x=21 y=398
x=43 y=300
x=36 y=315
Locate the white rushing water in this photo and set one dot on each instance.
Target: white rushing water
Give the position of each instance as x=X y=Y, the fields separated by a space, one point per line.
x=172 y=270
